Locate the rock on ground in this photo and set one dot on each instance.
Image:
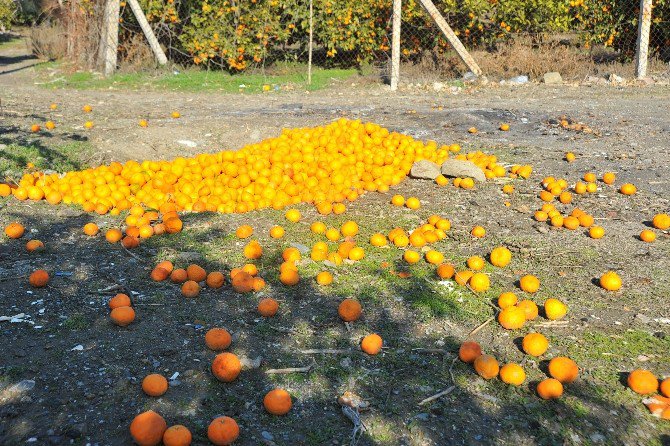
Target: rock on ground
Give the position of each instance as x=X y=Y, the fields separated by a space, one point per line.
x=462 y=168
x=425 y=170
x=553 y=77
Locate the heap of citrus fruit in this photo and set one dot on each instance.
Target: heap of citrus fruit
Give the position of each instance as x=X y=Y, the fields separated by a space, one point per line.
x=320 y=165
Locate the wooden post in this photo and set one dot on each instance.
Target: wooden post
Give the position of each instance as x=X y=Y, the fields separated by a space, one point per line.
x=644 y=25
x=311 y=43
x=109 y=41
x=451 y=36
x=148 y=32
x=395 y=44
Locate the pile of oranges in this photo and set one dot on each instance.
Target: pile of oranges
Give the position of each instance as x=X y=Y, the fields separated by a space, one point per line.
x=320 y=165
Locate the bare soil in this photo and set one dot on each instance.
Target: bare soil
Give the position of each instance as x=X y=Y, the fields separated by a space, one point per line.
x=89 y=395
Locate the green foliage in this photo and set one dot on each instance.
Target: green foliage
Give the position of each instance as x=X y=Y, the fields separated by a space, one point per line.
x=7 y=13
x=238 y=35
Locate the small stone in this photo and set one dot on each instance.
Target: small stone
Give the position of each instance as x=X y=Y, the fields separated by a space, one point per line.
x=469 y=77
x=553 y=77
x=267 y=435
x=597 y=437
x=425 y=170
x=438 y=86
x=423 y=416
x=615 y=79
x=250 y=363
x=523 y=79
x=462 y=168
x=642 y=318
x=189 y=257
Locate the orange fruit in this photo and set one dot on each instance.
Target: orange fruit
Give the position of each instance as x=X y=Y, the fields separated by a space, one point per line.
x=268 y=307
x=324 y=278
x=469 y=351
x=529 y=283
x=512 y=318
x=486 y=366
x=596 y=232
x=223 y=431
x=500 y=256
x=411 y=257
x=445 y=271
x=609 y=177
x=628 y=189
x=147 y=428
x=226 y=367
x=570 y=157
x=462 y=277
x=434 y=257
x=318 y=227
x=479 y=282
x=535 y=344
x=647 y=235
x=549 y=389
x=34 y=245
x=154 y=384
x=507 y=299
x=610 y=281
x=512 y=374
x=378 y=240
x=529 y=308
x=504 y=127
x=642 y=382
x=14 y=230
x=661 y=221
x=563 y=369
x=356 y=253
x=398 y=200
x=293 y=215
x=554 y=309
x=244 y=231
x=349 y=229
x=349 y=310
x=478 y=232
x=277 y=402
x=413 y=203
x=177 y=435
x=475 y=263
x=276 y=232
x=372 y=344
x=665 y=387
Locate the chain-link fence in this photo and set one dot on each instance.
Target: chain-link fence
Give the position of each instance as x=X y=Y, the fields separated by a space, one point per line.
x=505 y=37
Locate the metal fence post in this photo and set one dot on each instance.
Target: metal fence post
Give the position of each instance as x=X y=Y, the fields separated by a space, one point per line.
x=644 y=25
x=395 y=45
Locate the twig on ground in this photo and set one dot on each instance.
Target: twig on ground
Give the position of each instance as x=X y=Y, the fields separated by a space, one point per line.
x=558 y=324
x=289 y=370
x=282 y=329
x=446 y=391
x=132 y=254
x=482 y=325
x=451 y=370
x=325 y=351
x=432 y=350
x=2 y=279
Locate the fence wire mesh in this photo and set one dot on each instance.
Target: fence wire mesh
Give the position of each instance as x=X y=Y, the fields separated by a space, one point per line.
x=505 y=37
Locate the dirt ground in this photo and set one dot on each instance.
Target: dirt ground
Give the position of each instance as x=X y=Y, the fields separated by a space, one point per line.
x=87 y=372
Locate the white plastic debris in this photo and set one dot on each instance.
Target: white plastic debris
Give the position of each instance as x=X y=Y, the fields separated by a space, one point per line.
x=77 y=348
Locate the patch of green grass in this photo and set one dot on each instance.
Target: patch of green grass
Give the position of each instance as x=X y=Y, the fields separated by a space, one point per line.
x=294 y=76
x=15 y=157
x=76 y=322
